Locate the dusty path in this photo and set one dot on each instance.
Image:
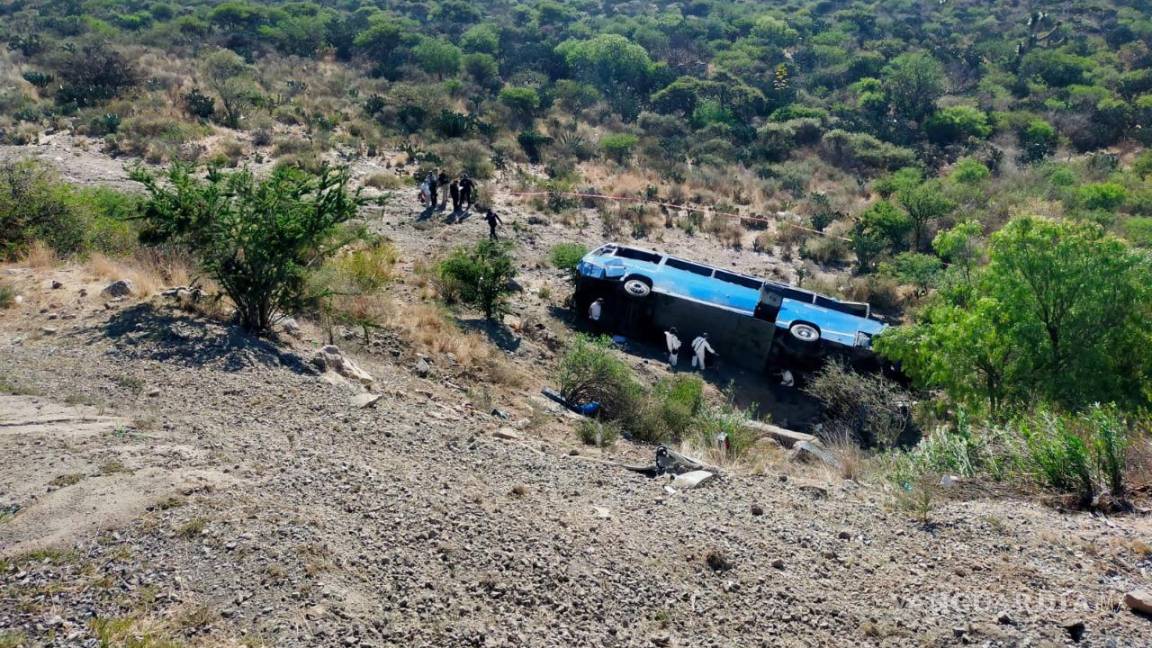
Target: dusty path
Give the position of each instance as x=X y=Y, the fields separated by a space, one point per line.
x=224 y=493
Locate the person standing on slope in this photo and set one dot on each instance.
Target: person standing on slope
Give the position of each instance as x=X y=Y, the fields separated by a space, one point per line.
x=466 y=189
x=700 y=350
x=672 y=339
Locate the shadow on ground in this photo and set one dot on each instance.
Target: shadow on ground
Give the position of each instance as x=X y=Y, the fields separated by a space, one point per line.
x=761 y=392
x=496 y=332
x=147 y=331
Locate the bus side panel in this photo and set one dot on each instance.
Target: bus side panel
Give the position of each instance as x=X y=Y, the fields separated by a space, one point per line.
x=740 y=339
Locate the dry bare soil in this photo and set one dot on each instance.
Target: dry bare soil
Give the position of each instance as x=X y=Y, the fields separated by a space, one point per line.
x=167 y=478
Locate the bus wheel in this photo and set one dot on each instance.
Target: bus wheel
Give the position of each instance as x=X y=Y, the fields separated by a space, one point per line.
x=804 y=332
x=637 y=288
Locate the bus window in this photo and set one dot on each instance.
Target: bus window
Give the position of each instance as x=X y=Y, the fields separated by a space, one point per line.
x=851 y=308
x=739 y=280
x=639 y=255
x=680 y=264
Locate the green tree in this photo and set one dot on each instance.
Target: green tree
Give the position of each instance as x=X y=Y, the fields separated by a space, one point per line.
x=618 y=146
x=483 y=69
x=484 y=38
x=481 y=276
x=437 y=57
x=230 y=77
x=960 y=246
x=522 y=102
x=957 y=124
x=1038 y=139
x=920 y=270
x=257 y=238
x=913 y=82
x=969 y=172
x=1059 y=314
x=925 y=205
x=887 y=223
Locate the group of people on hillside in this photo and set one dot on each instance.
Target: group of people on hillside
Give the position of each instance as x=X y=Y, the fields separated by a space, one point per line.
x=438 y=184
x=461 y=190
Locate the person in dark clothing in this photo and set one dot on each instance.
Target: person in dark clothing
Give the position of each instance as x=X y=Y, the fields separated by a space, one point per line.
x=442 y=180
x=454 y=191
x=493 y=220
x=466 y=188
x=432 y=190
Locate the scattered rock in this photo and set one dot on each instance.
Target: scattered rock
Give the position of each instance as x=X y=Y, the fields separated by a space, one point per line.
x=422 y=368
x=48 y=330
x=844 y=535
x=778 y=564
x=601 y=512
x=291 y=327
x=56 y=285
x=1005 y=619
x=366 y=400
x=757 y=510
x=815 y=492
x=153 y=393
x=330 y=358
x=806 y=451
x=692 y=479
x=506 y=433
x=949 y=481
x=120 y=288
x=1139 y=601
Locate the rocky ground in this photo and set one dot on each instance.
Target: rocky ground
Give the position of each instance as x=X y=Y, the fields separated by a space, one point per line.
x=168 y=479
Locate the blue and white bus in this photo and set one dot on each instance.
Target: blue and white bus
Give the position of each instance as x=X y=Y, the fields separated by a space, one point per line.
x=646 y=291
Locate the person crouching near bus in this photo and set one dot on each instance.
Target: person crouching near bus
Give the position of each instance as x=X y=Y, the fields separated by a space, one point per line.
x=672 y=339
x=700 y=350
x=595 y=315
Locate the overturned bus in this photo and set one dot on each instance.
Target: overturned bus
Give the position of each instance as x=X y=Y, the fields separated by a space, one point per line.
x=748 y=320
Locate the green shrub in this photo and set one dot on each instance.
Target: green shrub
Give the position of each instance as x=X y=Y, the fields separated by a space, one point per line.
x=866 y=408
x=7 y=296
x=725 y=421
x=36 y=205
x=480 y=276
x=1058 y=456
x=969 y=172
x=566 y=256
x=1138 y=231
x=590 y=372
x=618 y=146
x=668 y=413
x=1106 y=196
x=259 y=239
x=595 y=432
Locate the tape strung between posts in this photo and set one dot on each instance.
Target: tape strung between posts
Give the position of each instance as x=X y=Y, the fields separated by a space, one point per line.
x=672 y=206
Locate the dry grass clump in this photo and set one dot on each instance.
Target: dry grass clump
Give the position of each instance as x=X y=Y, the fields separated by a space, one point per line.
x=40 y=256
x=149 y=273
x=431 y=331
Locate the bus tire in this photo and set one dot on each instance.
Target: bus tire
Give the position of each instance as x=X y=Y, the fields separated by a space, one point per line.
x=804 y=332
x=637 y=287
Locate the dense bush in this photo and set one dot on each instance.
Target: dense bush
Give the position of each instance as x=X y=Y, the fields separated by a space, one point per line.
x=35 y=205
x=565 y=256
x=258 y=238
x=480 y=276
x=590 y=372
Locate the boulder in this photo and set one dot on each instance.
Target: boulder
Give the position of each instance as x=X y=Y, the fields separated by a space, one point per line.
x=366 y=400
x=120 y=288
x=692 y=479
x=291 y=327
x=805 y=451
x=330 y=358
x=422 y=368
x=506 y=433
x=1139 y=601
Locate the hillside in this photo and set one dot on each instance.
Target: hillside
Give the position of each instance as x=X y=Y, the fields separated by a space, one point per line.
x=254 y=391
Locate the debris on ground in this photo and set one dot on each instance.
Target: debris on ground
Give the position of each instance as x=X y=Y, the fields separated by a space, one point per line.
x=692 y=479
